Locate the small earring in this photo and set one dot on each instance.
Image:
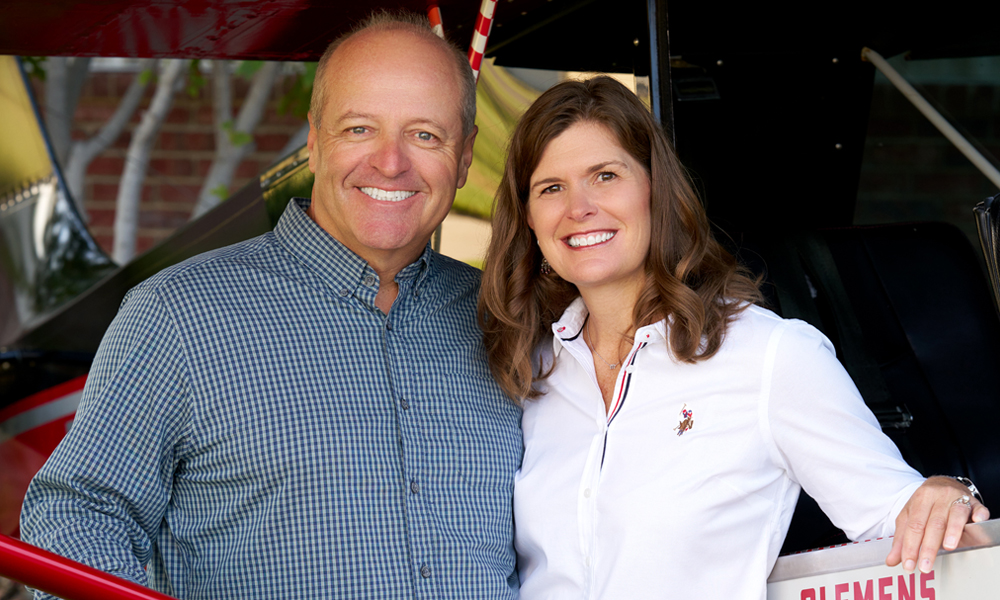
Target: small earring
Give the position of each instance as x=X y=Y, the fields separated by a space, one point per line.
x=546 y=268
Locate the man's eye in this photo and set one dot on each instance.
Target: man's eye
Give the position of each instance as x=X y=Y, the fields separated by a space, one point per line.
x=606 y=176
x=357 y=130
x=425 y=136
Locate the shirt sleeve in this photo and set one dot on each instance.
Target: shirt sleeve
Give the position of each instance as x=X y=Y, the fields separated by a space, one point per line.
x=102 y=495
x=828 y=439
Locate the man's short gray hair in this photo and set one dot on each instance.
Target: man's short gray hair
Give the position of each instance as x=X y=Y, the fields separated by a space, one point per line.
x=385 y=20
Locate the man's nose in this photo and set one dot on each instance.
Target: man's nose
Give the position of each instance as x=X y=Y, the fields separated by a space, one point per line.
x=389 y=156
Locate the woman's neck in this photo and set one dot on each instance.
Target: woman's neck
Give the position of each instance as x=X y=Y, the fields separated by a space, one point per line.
x=610 y=324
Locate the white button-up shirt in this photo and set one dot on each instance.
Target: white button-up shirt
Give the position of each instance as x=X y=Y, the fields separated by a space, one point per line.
x=686 y=486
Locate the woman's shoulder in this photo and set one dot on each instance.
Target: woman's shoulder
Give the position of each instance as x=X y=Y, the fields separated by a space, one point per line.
x=758 y=326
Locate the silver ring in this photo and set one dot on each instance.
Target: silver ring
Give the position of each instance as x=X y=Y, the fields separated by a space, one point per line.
x=964 y=501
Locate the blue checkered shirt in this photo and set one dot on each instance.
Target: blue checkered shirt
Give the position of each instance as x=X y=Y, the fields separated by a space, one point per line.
x=254 y=427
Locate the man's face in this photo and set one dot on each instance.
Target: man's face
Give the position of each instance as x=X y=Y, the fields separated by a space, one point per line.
x=389 y=153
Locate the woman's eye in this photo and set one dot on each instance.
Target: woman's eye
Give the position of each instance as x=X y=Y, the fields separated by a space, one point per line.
x=606 y=176
x=551 y=189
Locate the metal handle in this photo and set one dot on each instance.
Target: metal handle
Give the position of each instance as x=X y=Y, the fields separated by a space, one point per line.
x=68 y=579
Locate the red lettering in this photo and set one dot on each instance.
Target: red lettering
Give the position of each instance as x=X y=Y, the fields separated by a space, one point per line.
x=809 y=594
x=926 y=592
x=904 y=593
x=841 y=588
x=883 y=583
x=867 y=595
x=822 y=593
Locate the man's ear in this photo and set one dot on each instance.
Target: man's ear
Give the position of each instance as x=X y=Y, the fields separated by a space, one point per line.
x=311 y=142
x=466 y=159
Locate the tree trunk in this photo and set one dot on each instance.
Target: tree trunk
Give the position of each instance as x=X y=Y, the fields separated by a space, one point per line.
x=228 y=155
x=82 y=152
x=64 y=79
x=137 y=160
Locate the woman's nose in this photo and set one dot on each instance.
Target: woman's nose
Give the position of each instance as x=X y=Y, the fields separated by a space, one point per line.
x=581 y=204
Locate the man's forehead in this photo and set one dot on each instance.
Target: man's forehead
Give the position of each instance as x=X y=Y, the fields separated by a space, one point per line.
x=404 y=46
x=382 y=75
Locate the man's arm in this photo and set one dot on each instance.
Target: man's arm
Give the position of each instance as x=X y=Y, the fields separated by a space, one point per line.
x=101 y=496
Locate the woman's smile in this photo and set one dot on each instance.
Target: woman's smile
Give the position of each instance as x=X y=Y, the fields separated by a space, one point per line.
x=587 y=240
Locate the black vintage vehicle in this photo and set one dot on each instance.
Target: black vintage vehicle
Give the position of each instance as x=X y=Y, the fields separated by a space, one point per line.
x=768 y=106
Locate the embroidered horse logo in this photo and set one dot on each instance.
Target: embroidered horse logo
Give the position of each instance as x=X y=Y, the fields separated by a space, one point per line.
x=686 y=421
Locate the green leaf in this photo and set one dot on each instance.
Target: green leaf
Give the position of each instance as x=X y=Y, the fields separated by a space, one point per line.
x=195 y=80
x=146 y=76
x=236 y=138
x=34 y=66
x=247 y=68
x=220 y=191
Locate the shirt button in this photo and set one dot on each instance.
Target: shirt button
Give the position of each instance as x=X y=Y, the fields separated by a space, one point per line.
x=404 y=404
x=425 y=571
x=629 y=369
x=586 y=493
x=369 y=280
x=414 y=487
x=345 y=293
x=388 y=325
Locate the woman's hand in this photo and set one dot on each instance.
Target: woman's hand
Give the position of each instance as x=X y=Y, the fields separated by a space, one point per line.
x=932 y=519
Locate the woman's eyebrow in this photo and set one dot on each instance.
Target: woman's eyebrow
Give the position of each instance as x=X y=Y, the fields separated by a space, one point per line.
x=604 y=165
x=594 y=169
x=545 y=182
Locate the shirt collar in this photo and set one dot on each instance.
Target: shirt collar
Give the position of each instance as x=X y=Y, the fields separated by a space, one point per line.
x=332 y=261
x=570 y=325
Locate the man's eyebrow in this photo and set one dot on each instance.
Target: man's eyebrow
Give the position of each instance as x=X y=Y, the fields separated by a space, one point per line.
x=593 y=169
x=353 y=115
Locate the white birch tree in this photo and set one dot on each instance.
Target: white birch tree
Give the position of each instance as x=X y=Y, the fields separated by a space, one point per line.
x=233 y=139
x=83 y=152
x=64 y=77
x=137 y=159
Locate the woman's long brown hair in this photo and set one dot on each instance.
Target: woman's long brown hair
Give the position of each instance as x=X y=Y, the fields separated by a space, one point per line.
x=690 y=278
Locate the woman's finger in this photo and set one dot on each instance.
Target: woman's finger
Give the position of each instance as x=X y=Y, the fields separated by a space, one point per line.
x=961 y=513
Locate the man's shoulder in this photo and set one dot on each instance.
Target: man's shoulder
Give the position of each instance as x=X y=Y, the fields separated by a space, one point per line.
x=456 y=274
x=215 y=267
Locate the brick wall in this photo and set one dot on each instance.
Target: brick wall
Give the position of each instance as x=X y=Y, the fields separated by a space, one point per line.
x=179 y=162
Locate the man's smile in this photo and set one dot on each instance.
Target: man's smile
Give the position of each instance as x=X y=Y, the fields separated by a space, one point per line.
x=387 y=195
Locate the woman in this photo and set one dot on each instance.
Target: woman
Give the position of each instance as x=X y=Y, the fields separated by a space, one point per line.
x=669 y=422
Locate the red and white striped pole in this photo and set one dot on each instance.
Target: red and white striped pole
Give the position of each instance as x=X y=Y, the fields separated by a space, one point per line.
x=484 y=23
x=434 y=16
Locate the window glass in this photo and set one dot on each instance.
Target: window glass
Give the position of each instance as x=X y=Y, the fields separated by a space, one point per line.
x=910 y=171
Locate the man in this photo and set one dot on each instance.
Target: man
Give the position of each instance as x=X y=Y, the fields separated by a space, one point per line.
x=309 y=414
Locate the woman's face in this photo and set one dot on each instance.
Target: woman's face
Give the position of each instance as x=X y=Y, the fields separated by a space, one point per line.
x=588 y=204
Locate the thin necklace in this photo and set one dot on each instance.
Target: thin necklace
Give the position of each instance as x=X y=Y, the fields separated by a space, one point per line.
x=592 y=345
